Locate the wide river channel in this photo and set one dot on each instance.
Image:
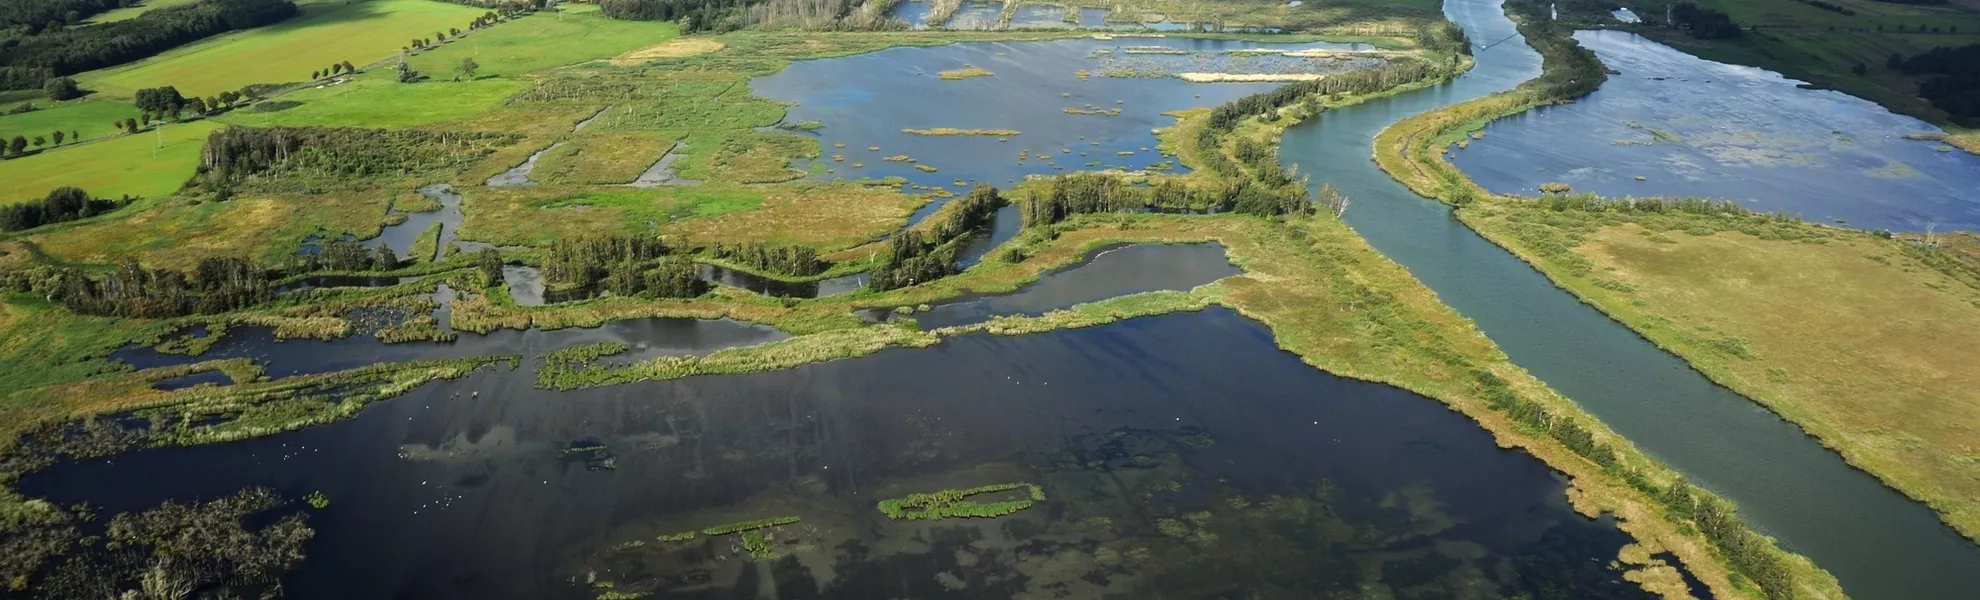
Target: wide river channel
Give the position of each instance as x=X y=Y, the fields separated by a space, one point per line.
x=1181 y=456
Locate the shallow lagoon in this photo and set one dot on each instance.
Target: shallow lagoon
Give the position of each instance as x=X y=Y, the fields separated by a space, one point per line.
x=865 y=101
x=1693 y=127
x=1204 y=460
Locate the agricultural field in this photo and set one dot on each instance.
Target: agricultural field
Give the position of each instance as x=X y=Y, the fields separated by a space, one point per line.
x=540 y=41
x=149 y=165
x=325 y=32
x=91 y=119
x=377 y=99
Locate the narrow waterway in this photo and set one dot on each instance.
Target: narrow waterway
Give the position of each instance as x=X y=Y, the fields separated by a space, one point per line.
x=1878 y=543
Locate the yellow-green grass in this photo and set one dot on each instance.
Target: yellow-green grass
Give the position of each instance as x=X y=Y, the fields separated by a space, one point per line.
x=602 y=158
x=89 y=118
x=131 y=12
x=377 y=99
x=324 y=33
x=755 y=157
x=149 y=164
x=177 y=234
x=542 y=41
x=824 y=215
x=1846 y=334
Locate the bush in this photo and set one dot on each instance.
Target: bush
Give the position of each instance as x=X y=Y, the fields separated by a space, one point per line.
x=61 y=88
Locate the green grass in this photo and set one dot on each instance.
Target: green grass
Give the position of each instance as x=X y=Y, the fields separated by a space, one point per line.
x=326 y=32
x=542 y=41
x=133 y=164
x=377 y=99
x=131 y=12
x=90 y=118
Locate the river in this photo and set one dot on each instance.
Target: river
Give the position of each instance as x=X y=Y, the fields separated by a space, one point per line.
x=1877 y=542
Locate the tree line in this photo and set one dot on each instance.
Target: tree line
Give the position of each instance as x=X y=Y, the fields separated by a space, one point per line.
x=344 y=255
x=33 y=58
x=715 y=16
x=1955 y=87
x=1751 y=554
x=237 y=155
x=216 y=286
x=790 y=260
x=33 y=16
x=60 y=205
x=625 y=265
x=914 y=257
x=1703 y=23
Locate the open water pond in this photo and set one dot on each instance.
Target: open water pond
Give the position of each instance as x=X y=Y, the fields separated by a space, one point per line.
x=1693 y=127
x=1182 y=456
x=866 y=101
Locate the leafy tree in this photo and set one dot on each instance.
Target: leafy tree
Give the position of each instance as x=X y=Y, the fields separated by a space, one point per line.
x=406 y=73
x=159 y=100
x=58 y=135
x=197 y=105
x=348 y=68
x=468 y=67
x=61 y=88
x=489 y=262
x=40 y=141
x=17 y=145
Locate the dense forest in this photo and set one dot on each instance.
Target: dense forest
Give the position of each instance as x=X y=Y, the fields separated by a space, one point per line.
x=1703 y=23
x=42 y=15
x=61 y=204
x=916 y=258
x=622 y=264
x=335 y=154
x=32 y=56
x=1956 y=89
x=715 y=16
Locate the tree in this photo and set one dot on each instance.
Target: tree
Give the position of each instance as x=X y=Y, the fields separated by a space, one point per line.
x=406 y=73
x=490 y=263
x=61 y=88
x=348 y=68
x=315 y=75
x=229 y=97
x=468 y=67
x=1860 y=68
x=197 y=105
x=58 y=135
x=40 y=141
x=18 y=145
x=159 y=100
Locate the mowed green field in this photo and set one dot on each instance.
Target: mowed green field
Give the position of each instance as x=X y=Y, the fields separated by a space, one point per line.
x=131 y=12
x=148 y=164
x=377 y=99
x=326 y=32
x=542 y=41
x=89 y=118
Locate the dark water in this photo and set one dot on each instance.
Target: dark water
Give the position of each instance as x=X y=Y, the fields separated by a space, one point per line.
x=782 y=289
x=400 y=237
x=333 y=281
x=1693 y=127
x=865 y=101
x=1106 y=273
x=1182 y=456
x=1880 y=544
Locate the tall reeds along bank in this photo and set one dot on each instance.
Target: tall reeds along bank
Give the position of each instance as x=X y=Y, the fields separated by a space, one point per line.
x=913 y=257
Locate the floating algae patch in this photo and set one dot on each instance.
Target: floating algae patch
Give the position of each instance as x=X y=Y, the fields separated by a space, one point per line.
x=955 y=504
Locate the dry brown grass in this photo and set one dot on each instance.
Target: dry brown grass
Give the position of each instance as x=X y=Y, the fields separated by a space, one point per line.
x=675 y=48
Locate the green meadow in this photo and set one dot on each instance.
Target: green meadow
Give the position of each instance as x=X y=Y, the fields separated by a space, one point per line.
x=377 y=99
x=131 y=12
x=326 y=32
x=544 y=40
x=91 y=119
x=148 y=164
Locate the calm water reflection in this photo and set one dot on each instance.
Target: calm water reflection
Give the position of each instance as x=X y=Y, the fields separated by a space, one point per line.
x=1183 y=456
x=1693 y=127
